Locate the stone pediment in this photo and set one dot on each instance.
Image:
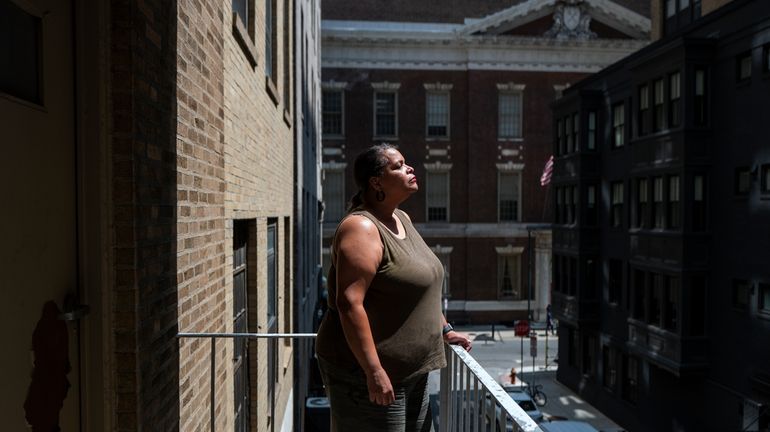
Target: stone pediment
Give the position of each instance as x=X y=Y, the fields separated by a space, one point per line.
x=561 y=20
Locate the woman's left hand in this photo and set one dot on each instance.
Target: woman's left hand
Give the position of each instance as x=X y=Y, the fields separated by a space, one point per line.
x=455 y=338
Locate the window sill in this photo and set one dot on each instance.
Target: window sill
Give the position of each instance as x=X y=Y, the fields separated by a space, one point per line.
x=385 y=138
x=241 y=35
x=510 y=139
x=272 y=90
x=435 y=138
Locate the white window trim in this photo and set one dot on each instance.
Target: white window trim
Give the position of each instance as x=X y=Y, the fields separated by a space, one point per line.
x=439 y=89
x=509 y=168
x=385 y=87
x=440 y=168
x=507 y=251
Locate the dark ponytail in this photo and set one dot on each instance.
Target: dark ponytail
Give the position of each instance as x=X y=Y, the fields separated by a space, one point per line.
x=368 y=164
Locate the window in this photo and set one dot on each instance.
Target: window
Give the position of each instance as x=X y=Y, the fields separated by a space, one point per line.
x=437 y=196
x=591 y=144
x=658 y=216
x=742 y=180
x=764 y=298
x=588 y=291
x=670 y=8
x=385 y=114
x=443 y=253
x=631 y=379
x=287 y=72
x=570 y=204
x=437 y=114
x=509 y=115
x=615 y=281
x=741 y=292
x=573 y=205
x=697 y=305
x=575 y=130
x=609 y=363
x=616 y=211
x=674 y=99
x=334 y=194
x=560 y=147
x=570 y=136
x=699 y=203
x=642 y=203
x=656 y=296
x=333 y=106
x=618 y=125
x=240 y=323
x=699 y=100
x=674 y=208
x=272 y=305
x=644 y=110
x=671 y=302
x=765 y=184
x=508 y=188
x=509 y=274
x=640 y=293
x=271 y=40
x=20 y=43
x=659 y=113
x=743 y=67
x=591 y=210
x=241 y=9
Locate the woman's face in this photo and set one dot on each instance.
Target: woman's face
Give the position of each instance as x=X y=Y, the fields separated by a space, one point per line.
x=397 y=177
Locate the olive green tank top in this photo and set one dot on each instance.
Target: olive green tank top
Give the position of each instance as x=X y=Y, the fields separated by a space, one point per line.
x=403 y=304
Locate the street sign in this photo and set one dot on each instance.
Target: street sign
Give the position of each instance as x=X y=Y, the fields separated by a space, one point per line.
x=533 y=346
x=521 y=328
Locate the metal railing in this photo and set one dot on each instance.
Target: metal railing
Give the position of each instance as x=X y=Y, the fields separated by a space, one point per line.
x=470 y=399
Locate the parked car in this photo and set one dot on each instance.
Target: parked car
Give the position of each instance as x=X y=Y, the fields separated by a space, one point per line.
x=523 y=400
x=567 y=426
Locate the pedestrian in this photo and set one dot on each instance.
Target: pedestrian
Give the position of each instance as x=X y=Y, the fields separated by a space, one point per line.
x=513 y=375
x=549 y=320
x=384 y=330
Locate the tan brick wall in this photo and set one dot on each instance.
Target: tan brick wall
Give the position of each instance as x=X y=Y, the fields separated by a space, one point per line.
x=202 y=273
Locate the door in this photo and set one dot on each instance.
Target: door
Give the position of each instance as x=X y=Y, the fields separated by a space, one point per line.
x=38 y=252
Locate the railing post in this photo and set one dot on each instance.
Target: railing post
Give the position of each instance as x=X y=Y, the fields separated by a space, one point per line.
x=443 y=418
x=213 y=376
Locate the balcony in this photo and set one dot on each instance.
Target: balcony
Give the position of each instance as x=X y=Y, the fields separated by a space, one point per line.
x=463 y=383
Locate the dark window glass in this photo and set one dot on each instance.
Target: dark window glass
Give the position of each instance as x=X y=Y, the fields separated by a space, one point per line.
x=589 y=350
x=699 y=203
x=658 y=215
x=270 y=38
x=765 y=183
x=674 y=100
x=642 y=203
x=741 y=291
x=742 y=180
x=508 y=193
x=674 y=206
x=437 y=114
x=272 y=307
x=671 y=301
x=241 y=10
x=332 y=106
x=644 y=110
x=743 y=67
x=631 y=378
x=700 y=100
x=591 y=209
x=569 y=134
x=609 y=363
x=616 y=209
x=656 y=296
x=240 y=323
x=437 y=196
x=615 y=281
x=385 y=113
x=659 y=101
x=618 y=125
x=20 y=51
x=697 y=305
x=640 y=288
x=591 y=144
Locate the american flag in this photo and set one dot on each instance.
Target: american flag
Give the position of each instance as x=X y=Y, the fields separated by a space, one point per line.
x=547 y=171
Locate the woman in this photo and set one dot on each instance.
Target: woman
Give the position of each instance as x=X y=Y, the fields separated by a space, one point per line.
x=384 y=330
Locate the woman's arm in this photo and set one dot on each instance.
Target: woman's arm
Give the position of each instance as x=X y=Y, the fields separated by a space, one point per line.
x=358 y=255
x=454 y=338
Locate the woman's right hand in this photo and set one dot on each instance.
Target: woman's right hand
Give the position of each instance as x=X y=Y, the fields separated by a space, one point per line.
x=380 y=388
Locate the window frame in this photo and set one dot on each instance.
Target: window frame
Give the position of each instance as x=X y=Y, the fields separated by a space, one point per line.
x=591 y=130
x=675 y=99
x=510 y=89
x=518 y=215
x=742 y=60
x=325 y=112
x=375 y=113
x=271 y=49
x=337 y=170
x=503 y=254
x=447 y=194
x=658 y=105
x=741 y=294
x=740 y=172
x=618 y=125
x=616 y=207
x=643 y=115
x=244 y=32
x=700 y=96
x=674 y=203
x=658 y=203
x=447 y=114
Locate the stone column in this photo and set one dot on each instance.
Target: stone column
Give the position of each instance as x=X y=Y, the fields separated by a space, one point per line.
x=542 y=273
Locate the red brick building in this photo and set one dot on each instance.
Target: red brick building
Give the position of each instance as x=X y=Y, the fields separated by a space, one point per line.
x=464 y=89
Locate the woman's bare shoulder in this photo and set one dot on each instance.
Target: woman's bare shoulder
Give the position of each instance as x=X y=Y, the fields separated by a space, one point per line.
x=357 y=226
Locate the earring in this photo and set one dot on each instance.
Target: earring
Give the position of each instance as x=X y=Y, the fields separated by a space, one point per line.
x=380 y=195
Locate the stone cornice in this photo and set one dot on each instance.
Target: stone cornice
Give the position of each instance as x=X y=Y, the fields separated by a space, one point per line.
x=334 y=166
x=511 y=87
x=437 y=167
x=437 y=86
x=334 y=85
x=386 y=86
x=509 y=250
x=510 y=167
x=439 y=250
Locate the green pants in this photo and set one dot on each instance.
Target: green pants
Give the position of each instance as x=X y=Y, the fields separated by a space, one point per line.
x=351 y=410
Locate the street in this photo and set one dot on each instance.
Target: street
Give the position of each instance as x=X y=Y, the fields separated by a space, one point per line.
x=499 y=353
